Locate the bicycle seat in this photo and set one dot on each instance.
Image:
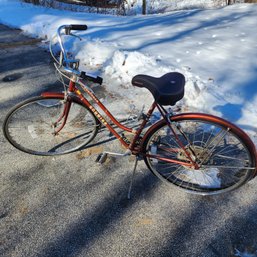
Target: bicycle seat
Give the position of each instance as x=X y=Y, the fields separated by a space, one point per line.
x=166 y=90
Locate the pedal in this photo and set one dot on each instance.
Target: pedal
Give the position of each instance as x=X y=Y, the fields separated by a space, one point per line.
x=101 y=158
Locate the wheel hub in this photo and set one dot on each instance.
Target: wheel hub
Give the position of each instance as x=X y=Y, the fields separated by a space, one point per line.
x=197 y=154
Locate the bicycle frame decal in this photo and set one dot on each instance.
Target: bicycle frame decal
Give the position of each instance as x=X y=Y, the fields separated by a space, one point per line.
x=98 y=115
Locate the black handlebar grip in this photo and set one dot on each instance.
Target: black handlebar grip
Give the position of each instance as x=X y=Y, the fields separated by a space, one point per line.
x=77 y=27
x=97 y=79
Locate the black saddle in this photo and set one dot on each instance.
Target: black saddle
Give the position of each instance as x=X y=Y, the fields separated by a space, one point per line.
x=166 y=90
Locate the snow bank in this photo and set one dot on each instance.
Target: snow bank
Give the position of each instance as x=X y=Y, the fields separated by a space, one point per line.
x=216 y=50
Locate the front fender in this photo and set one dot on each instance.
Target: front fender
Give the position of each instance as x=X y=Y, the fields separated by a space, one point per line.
x=52 y=94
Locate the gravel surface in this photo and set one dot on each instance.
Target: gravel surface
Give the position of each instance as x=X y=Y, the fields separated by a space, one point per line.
x=71 y=206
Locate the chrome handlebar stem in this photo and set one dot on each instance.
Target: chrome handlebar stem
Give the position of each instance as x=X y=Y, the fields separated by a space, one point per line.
x=65 y=61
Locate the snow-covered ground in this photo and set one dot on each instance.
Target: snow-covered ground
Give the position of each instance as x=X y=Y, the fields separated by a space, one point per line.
x=215 y=49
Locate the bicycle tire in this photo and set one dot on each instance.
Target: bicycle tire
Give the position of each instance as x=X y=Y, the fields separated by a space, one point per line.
x=28 y=126
x=226 y=154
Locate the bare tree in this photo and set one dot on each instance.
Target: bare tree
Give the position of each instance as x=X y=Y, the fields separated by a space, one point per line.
x=144 y=7
x=229 y=2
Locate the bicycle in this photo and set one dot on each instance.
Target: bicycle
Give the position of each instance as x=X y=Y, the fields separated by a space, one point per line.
x=200 y=153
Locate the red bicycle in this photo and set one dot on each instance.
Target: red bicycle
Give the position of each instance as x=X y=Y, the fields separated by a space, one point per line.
x=200 y=153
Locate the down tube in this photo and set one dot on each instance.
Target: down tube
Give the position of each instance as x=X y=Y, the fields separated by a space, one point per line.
x=101 y=119
x=104 y=109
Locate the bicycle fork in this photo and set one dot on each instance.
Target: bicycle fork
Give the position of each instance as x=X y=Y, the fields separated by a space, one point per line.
x=63 y=117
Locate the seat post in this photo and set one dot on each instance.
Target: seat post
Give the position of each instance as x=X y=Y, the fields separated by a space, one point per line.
x=142 y=126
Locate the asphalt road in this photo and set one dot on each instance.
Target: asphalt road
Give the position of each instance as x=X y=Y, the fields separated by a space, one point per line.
x=71 y=206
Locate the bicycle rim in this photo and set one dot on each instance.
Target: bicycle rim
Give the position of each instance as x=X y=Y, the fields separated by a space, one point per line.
x=225 y=154
x=30 y=126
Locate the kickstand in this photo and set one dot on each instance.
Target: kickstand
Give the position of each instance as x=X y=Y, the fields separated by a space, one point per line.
x=132 y=178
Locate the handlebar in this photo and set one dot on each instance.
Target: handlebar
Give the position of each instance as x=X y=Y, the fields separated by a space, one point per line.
x=67 y=29
x=71 y=65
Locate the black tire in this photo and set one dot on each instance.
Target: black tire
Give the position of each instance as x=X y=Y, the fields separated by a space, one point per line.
x=29 y=126
x=225 y=153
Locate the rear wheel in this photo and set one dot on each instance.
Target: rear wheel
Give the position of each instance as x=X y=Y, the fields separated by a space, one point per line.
x=30 y=126
x=225 y=154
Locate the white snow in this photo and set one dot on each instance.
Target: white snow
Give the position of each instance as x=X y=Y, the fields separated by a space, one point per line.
x=216 y=49
x=208 y=178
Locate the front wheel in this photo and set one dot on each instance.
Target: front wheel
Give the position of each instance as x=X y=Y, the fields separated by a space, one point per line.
x=224 y=153
x=30 y=126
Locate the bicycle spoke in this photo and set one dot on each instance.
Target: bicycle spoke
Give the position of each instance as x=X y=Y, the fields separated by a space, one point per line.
x=169 y=167
x=227 y=157
x=218 y=137
x=228 y=167
x=229 y=151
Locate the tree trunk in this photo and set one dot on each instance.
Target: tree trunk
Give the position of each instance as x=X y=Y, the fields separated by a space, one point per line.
x=144 y=7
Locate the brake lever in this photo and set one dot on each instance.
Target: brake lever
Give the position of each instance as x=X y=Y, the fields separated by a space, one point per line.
x=71 y=34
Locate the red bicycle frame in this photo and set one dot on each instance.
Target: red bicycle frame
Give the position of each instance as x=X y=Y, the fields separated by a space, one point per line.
x=73 y=91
